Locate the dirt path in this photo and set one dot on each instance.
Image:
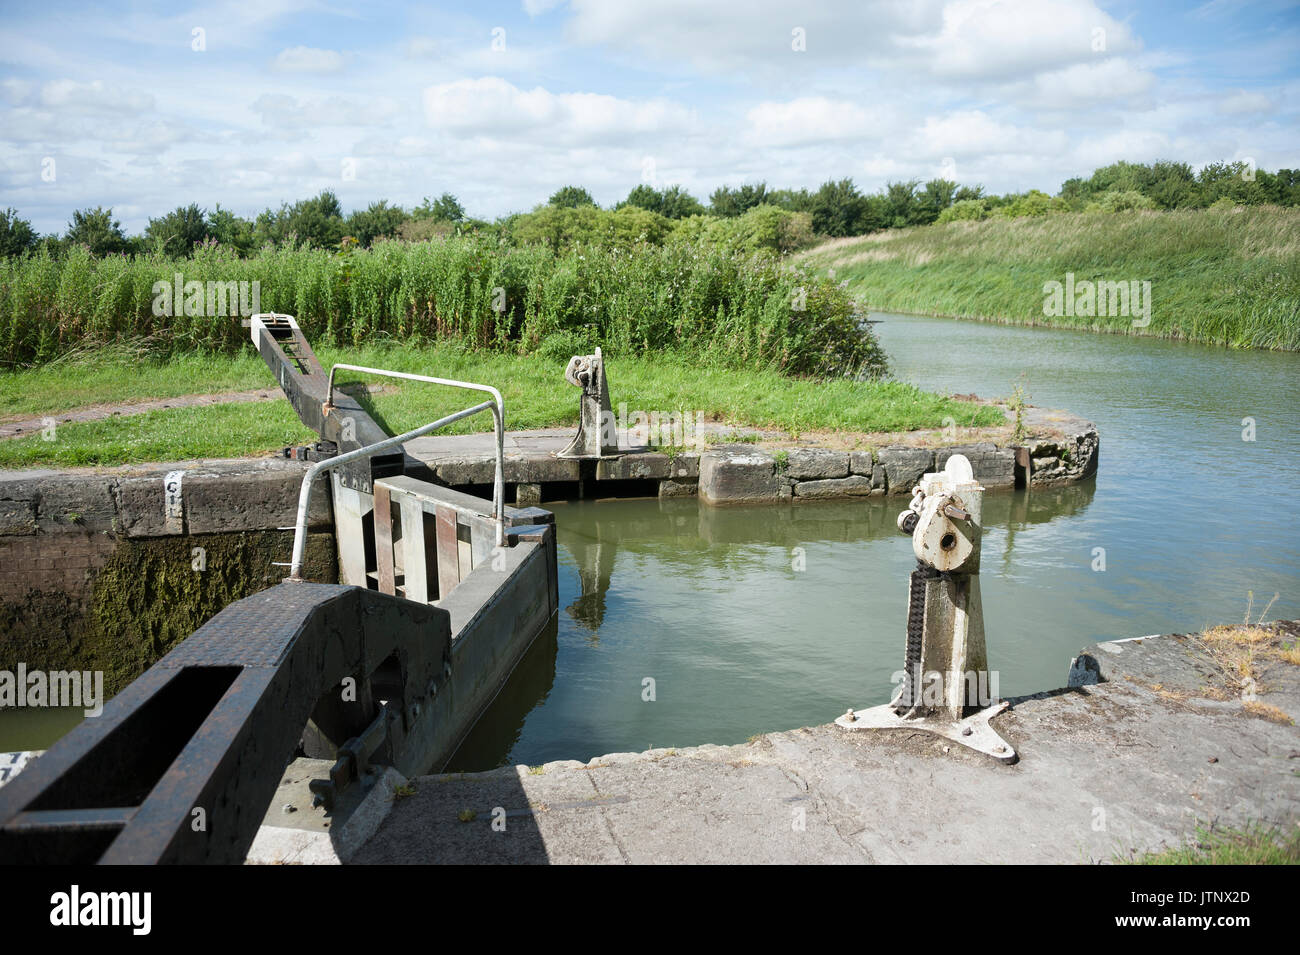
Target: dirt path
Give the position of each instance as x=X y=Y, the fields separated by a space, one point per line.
x=23 y=427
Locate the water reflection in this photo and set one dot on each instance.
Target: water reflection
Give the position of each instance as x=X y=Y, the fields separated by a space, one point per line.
x=594 y=559
x=708 y=602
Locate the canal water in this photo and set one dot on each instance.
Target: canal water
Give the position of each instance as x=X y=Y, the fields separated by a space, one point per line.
x=682 y=624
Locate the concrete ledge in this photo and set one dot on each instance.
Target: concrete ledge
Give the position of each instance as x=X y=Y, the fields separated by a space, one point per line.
x=904 y=467
x=816 y=464
x=739 y=475
x=216 y=497
x=854 y=486
x=1106 y=771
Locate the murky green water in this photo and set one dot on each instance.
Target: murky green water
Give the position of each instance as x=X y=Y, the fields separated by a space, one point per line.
x=26 y=728
x=706 y=603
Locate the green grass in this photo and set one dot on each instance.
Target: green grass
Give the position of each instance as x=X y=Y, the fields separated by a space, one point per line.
x=1251 y=845
x=121 y=374
x=1220 y=277
x=533 y=387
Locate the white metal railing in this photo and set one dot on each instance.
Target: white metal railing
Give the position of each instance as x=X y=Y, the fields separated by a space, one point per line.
x=496 y=405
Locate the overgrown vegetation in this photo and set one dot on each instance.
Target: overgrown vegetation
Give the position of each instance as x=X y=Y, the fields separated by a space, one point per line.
x=634 y=299
x=1221 y=276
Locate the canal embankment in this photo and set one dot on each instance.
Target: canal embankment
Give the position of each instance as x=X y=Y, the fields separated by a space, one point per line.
x=108 y=569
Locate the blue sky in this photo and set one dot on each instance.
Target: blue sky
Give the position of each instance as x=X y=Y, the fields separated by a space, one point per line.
x=145 y=106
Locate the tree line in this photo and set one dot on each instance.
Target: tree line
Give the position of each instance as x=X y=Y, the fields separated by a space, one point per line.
x=778 y=219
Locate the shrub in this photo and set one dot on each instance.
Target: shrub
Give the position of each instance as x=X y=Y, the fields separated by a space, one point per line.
x=1119 y=201
x=965 y=210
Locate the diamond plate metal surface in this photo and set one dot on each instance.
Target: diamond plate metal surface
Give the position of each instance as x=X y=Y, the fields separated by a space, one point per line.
x=255 y=631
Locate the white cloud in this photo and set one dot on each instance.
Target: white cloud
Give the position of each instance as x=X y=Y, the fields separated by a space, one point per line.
x=496 y=108
x=282 y=112
x=997 y=39
x=974 y=132
x=1244 y=102
x=1084 y=84
x=537 y=7
x=813 y=119
x=93 y=97
x=720 y=38
x=306 y=59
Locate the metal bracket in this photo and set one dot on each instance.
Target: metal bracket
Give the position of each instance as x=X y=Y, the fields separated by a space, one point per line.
x=596 y=438
x=973 y=732
x=354 y=761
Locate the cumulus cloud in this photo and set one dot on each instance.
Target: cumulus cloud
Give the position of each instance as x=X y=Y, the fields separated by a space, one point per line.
x=493 y=107
x=1085 y=84
x=974 y=132
x=1009 y=94
x=718 y=38
x=813 y=119
x=996 y=39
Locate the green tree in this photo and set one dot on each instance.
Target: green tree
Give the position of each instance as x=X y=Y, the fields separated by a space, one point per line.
x=16 y=235
x=556 y=226
x=317 y=221
x=570 y=197
x=937 y=195
x=901 y=205
x=728 y=202
x=379 y=220
x=97 y=230
x=446 y=208
x=231 y=231
x=1171 y=185
x=838 y=209
x=792 y=200
x=679 y=204
x=178 y=231
x=673 y=202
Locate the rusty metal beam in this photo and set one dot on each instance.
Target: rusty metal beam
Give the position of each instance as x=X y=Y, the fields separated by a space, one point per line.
x=182 y=764
x=337 y=418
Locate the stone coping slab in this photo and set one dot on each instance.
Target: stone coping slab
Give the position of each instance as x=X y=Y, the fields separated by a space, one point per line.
x=1106 y=770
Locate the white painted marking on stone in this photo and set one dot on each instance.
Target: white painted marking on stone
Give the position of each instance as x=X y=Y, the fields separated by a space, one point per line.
x=172 y=504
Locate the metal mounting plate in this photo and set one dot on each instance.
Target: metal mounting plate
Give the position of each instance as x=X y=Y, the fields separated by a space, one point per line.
x=973 y=732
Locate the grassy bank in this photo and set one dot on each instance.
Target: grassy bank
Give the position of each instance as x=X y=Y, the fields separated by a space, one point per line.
x=1229 y=277
x=692 y=299
x=1212 y=845
x=533 y=387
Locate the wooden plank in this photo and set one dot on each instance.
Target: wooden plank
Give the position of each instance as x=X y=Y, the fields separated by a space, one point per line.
x=432 y=495
x=350 y=507
x=413 y=550
x=448 y=551
x=384 y=540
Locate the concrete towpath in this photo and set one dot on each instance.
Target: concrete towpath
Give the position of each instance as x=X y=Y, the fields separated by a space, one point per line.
x=1130 y=764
